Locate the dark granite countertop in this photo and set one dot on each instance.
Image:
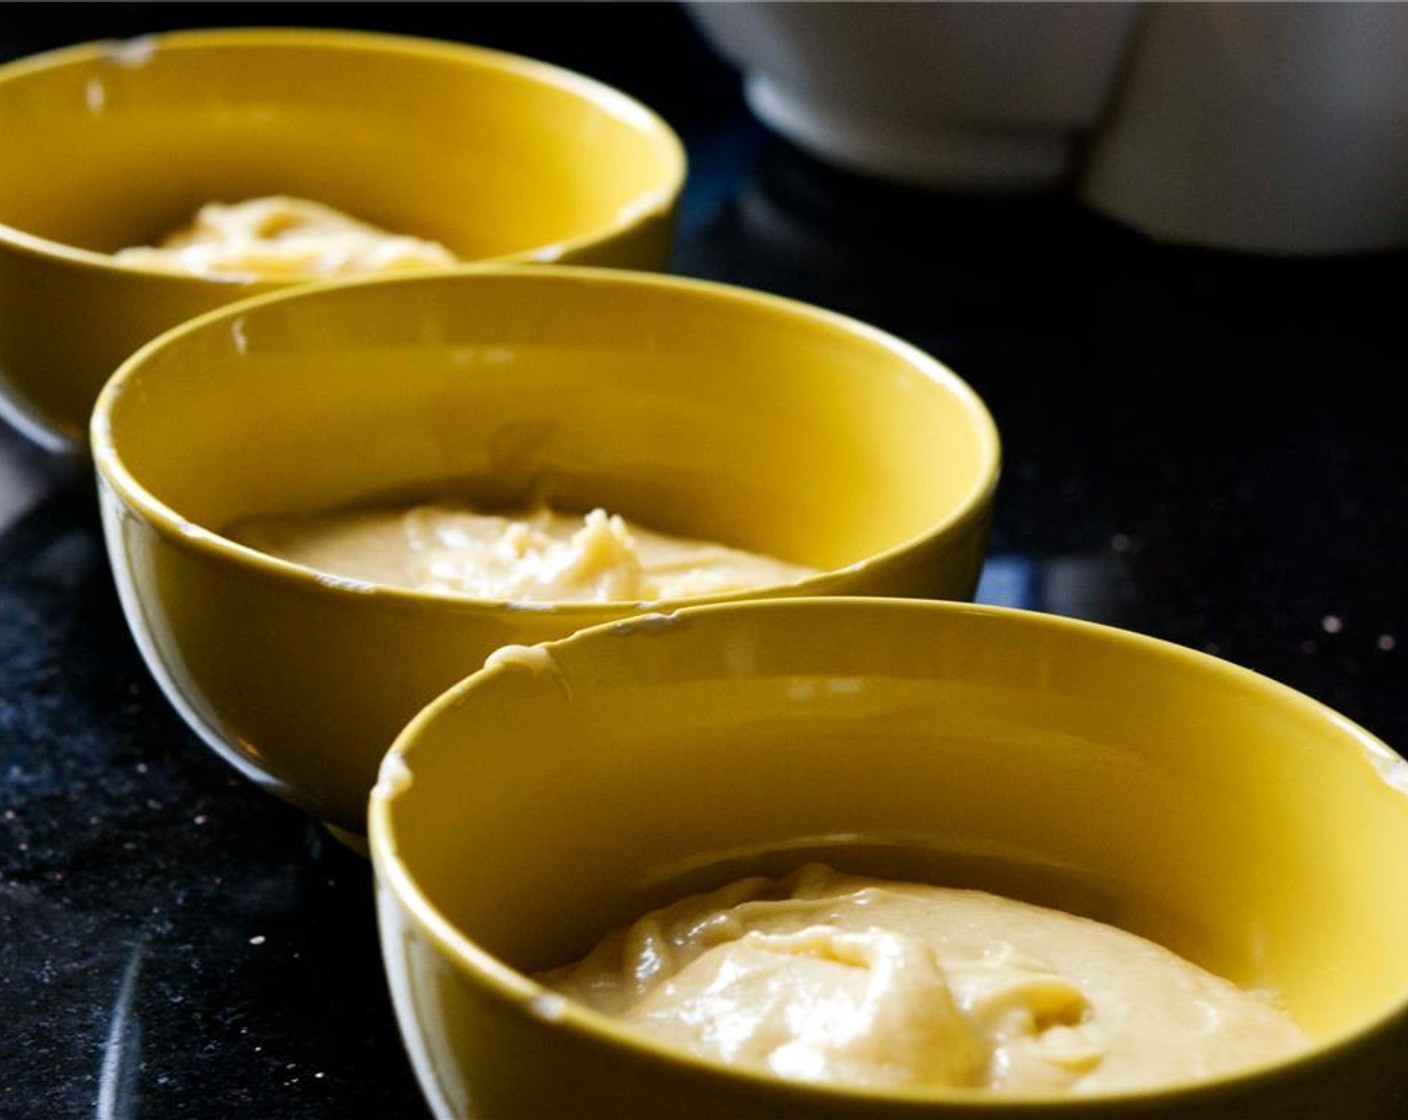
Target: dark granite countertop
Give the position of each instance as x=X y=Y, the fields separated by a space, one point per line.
x=1204 y=447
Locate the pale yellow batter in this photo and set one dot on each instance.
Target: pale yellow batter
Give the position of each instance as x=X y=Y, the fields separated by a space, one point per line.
x=834 y=978
x=535 y=556
x=279 y=236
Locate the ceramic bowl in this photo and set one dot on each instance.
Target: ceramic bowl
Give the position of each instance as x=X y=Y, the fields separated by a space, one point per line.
x=690 y=407
x=982 y=98
x=1267 y=129
x=116 y=143
x=536 y=805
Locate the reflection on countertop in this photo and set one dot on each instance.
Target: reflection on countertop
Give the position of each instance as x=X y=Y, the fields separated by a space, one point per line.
x=28 y=473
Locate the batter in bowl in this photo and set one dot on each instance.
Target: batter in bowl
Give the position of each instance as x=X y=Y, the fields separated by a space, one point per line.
x=828 y=977
x=532 y=555
x=280 y=236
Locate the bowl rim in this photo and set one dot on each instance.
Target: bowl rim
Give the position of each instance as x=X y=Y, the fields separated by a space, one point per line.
x=656 y=203
x=972 y=509
x=519 y=992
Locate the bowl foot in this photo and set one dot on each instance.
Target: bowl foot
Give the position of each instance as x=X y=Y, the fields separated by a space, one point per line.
x=918 y=153
x=352 y=841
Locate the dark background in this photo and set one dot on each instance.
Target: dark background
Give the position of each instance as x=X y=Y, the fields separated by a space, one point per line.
x=1206 y=447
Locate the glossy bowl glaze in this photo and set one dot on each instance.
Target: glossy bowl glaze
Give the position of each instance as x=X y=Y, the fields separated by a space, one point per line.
x=690 y=407
x=116 y=143
x=563 y=790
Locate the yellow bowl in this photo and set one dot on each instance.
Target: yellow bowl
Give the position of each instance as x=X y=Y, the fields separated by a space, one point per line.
x=114 y=144
x=536 y=804
x=693 y=408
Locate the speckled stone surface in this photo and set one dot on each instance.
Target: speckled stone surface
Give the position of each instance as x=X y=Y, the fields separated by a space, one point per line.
x=1203 y=447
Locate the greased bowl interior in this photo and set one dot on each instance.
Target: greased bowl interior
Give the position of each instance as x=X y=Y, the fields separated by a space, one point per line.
x=555 y=792
x=689 y=407
x=118 y=143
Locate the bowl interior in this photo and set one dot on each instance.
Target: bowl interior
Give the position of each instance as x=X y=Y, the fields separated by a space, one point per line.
x=117 y=144
x=1244 y=826
x=693 y=408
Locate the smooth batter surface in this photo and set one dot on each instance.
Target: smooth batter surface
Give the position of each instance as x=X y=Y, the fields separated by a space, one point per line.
x=538 y=555
x=279 y=236
x=834 y=978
